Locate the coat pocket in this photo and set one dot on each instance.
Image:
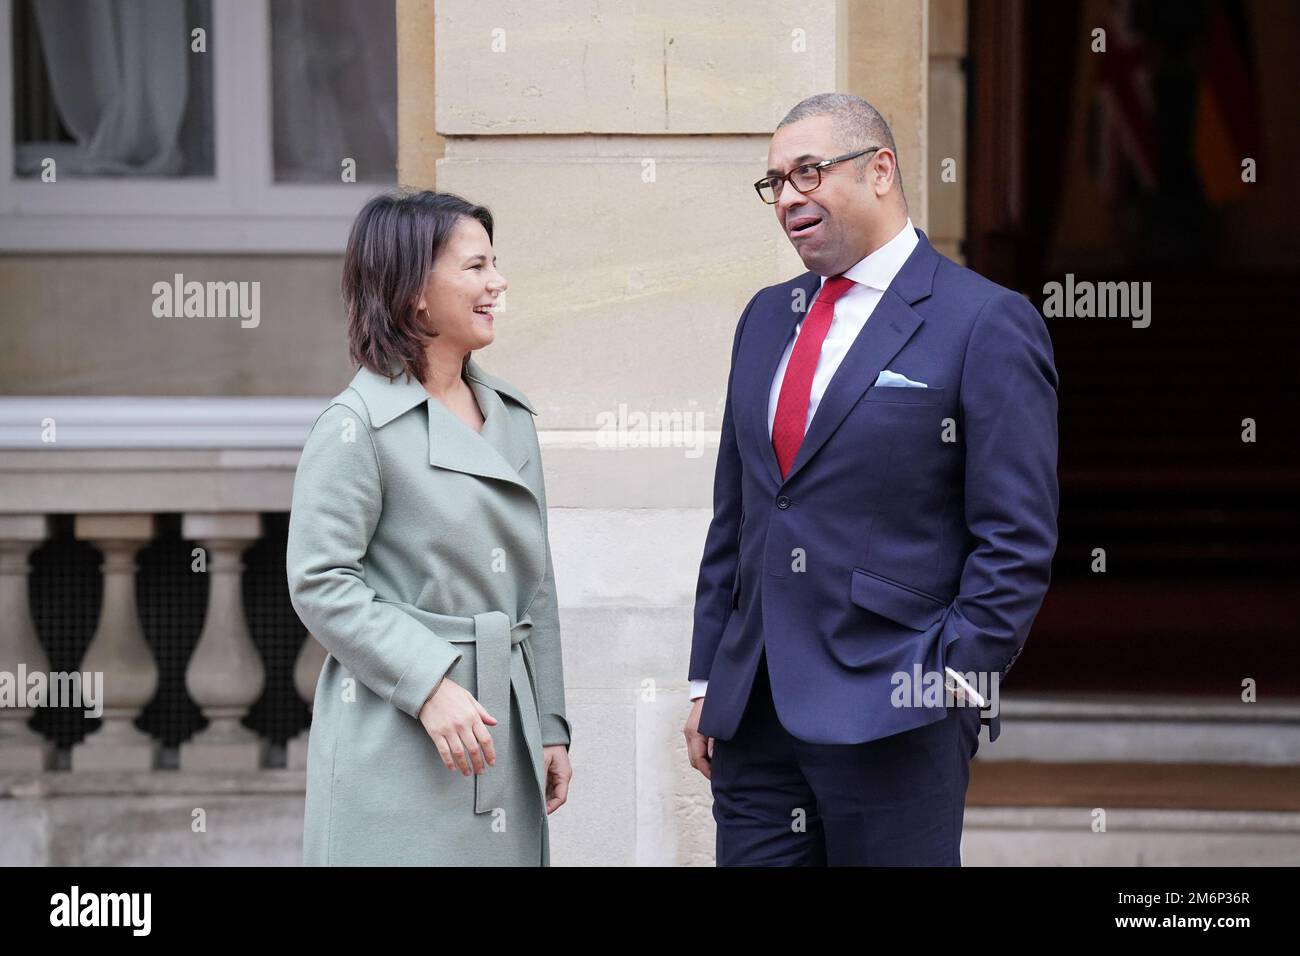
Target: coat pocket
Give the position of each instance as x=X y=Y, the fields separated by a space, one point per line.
x=898 y=602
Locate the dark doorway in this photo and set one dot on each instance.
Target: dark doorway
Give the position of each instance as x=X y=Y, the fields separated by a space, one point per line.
x=1125 y=165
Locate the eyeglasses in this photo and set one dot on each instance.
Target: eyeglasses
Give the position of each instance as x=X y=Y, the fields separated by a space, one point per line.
x=804 y=178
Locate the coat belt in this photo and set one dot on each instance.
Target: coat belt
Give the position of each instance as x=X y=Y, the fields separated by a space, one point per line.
x=503 y=660
x=501 y=666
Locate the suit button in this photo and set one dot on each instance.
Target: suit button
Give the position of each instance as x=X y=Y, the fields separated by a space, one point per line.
x=783 y=502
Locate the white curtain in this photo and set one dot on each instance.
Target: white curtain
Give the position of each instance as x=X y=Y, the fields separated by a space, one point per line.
x=119 y=75
x=334 y=88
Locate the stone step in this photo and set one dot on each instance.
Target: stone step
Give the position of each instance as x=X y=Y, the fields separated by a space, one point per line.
x=1163 y=786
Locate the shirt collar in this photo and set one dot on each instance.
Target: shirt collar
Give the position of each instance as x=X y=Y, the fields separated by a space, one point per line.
x=878 y=269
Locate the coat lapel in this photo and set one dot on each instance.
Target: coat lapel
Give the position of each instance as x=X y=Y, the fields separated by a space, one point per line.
x=892 y=323
x=491 y=393
x=457 y=447
x=494 y=430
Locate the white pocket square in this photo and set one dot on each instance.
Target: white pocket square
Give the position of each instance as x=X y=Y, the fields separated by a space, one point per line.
x=890 y=379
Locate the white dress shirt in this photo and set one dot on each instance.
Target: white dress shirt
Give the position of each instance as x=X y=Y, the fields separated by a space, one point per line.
x=871 y=277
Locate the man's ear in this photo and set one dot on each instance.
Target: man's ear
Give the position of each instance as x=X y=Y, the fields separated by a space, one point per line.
x=884 y=178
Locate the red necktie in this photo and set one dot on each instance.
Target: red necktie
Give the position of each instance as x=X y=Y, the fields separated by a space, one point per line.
x=796 y=387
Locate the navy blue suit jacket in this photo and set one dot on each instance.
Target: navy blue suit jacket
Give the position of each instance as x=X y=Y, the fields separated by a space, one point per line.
x=916 y=551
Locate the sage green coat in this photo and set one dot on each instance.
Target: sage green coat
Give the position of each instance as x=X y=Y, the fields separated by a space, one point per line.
x=418 y=548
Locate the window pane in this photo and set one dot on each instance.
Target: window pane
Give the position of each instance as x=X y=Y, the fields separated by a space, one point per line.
x=112 y=89
x=334 y=90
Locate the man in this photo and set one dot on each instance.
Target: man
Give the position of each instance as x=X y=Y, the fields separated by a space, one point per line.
x=884 y=515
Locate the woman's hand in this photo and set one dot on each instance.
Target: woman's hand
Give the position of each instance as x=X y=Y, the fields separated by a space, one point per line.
x=558 y=771
x=455 y=721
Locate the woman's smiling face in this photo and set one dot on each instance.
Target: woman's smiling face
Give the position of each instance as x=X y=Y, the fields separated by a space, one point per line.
x=463 y=287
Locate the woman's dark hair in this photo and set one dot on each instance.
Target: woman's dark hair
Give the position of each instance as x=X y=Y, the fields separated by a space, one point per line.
x=391 y=249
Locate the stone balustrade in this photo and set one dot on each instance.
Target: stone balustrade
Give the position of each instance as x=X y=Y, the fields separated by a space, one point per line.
x=115 y=464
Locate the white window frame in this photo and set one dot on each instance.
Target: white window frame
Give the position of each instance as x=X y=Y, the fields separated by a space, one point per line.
x=239 y=209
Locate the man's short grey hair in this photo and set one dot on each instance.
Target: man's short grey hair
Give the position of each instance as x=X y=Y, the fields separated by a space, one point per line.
x=857 y=125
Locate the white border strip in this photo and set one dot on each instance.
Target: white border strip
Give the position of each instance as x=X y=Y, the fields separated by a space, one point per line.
x=135 y=422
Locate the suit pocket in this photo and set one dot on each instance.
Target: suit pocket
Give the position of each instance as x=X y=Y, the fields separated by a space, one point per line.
x=898 y=602
x=904 y=395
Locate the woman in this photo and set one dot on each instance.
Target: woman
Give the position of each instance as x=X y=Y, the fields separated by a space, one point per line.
x=418 y=557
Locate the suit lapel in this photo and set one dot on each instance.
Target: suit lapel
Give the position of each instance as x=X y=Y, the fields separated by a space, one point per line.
x=773 y=336
x=890 y=326
x=892 y=323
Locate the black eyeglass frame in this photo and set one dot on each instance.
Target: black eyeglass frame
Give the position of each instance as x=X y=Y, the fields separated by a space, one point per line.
x=818 y=167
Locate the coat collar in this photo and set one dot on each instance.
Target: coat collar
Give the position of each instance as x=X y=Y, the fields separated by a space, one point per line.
x=493 y=452
x=499 y=386
x=387 y=399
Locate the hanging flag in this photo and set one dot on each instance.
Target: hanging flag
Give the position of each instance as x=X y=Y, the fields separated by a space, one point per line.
x=1227 y=104
x=1127 y=111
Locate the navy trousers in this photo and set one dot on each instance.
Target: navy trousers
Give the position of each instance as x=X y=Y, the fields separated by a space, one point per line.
x=895 y=801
